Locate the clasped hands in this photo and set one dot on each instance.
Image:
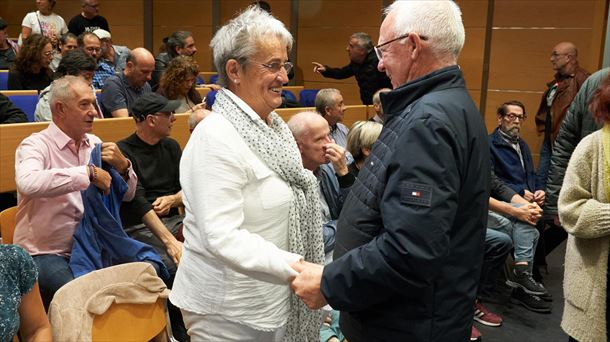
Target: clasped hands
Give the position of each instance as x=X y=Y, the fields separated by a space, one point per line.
x=306 y=285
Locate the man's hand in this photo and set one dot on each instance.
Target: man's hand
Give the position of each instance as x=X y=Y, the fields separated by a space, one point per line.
x=528 y=196
x=529 y=213
x=112 y=155
x=163 y=204
x=307 y=285
x=336 y=155
x=102 y=180
x=556 y=220
x=174 y=249
x=539 y=197
x=318 y=68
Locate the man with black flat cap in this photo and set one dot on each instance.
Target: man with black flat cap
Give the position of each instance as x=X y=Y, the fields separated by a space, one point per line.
x=152 y=216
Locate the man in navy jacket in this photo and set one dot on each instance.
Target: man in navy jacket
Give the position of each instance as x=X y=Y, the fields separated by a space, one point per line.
x=411 y=233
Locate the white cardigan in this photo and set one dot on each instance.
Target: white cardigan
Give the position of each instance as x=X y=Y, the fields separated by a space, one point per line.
x=234 y=261
x=585 y=214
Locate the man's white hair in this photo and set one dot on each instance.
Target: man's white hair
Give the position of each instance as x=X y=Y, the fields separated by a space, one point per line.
x=240 y=38
x=440 y=21
x=62 y=89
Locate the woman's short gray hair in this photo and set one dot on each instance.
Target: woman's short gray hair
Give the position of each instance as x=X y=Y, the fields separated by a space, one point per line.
x=239 y=39
x=439 y=21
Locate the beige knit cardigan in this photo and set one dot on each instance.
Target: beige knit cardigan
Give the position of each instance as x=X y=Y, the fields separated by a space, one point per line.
x=584 y=211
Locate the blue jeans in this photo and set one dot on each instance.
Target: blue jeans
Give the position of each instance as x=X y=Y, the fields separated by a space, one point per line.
x=497 y=246
x=53 y=273
x=525 y=236
x=544 y=163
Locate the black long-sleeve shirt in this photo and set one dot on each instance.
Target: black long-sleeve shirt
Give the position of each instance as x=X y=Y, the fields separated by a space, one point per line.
x=157 y=167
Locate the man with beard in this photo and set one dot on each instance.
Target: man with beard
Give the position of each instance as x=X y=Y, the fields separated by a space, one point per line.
x=512 y=162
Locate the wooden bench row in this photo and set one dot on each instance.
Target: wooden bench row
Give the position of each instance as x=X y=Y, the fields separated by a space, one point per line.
x=116 y=129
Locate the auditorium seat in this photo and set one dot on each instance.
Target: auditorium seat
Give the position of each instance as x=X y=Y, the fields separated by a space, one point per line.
x=3 y=79
x=213 y=79
x=26 y=100
x=308 y=97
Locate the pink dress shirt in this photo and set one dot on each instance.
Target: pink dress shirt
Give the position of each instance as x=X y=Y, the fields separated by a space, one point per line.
x=50 y=173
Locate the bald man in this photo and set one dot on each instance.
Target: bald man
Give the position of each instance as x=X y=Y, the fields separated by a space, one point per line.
x=121 y=91
x=568 y=79
x=322 y=156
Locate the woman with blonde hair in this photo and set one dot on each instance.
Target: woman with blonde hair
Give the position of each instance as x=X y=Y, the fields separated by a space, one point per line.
x=360 y=140
x=584 y=211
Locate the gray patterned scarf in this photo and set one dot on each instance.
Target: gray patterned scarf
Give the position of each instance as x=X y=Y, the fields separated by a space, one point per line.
x=275 y=145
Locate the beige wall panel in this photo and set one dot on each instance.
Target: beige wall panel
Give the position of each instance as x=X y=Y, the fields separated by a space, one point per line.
x=474 y=13
x=471 y=57
x=123 y=12
x=183 y=13
x=475 y=94
x=130 y=36
x=530 y=100
x=520 y=58
x=352 y=15
x=279 y=8
x=350 y=92
x=545 y=13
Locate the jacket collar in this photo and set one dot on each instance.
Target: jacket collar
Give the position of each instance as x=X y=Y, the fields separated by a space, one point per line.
x=395 y=101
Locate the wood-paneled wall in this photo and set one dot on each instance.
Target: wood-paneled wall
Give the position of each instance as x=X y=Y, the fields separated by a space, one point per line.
x=523 y=33
x=125 y=17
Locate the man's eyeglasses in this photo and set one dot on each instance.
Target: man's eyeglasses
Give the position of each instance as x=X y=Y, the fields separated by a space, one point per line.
x=379 y=51
x=513 y=117
x=92 y=49
x=275 y=67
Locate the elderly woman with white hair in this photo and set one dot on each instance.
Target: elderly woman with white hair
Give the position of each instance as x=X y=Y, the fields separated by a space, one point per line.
x=252 y=210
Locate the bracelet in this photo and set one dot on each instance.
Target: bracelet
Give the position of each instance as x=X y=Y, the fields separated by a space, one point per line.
x=92 y=173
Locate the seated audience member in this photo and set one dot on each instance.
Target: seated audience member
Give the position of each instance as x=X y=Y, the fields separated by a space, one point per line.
x=196 y=116
x=360 y=140
x=584 y=211
x=89 y=19
x=8 y=48
x=21 y=308
x=75 y=63
x=152 y=216
x=377 y=105
x=512 y=163
x=114 y=55
x=43 y=22
x=31 y=68
x=51 y=169
x=9 y=113
x=179 y=43
x=121 y=91
x=67 y=42
x=93 y=47
x=497 y=246
x=329 y=103
x=311 y=133
x=178 y=83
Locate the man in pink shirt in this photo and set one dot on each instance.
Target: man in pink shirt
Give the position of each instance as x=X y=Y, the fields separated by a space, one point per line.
x=51 y=168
